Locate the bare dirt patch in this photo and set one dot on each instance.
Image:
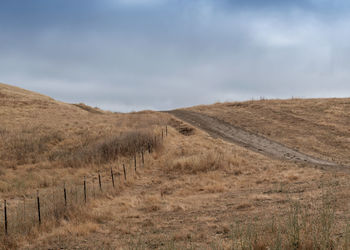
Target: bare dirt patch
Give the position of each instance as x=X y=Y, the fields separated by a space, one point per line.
x=181 y=127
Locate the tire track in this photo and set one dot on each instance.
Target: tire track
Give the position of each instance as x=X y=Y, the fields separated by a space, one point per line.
x=221 y=129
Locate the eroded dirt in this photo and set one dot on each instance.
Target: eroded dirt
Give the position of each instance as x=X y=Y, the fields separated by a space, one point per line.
x=181 y=127
x=221 y=129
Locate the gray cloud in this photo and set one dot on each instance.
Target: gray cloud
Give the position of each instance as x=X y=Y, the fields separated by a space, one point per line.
x=139 y=54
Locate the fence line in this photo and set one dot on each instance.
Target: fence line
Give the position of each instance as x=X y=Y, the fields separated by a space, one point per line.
x=20 y=217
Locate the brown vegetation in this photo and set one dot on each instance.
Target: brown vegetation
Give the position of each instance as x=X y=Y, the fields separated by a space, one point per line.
x=193 y=192
x=319 y=127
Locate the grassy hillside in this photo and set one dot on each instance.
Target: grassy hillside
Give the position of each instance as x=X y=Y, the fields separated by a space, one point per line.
x=193 y=191
x=39 y=133
x=319 y=127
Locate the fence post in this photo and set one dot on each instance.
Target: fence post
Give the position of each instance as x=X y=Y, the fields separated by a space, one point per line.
x=143 y=159
x=99 y=181
x=65 y=194
x=24 y=210
x=162 y=134
x=166 y=130
x=124 y=172
x=5 y=215
x=84 y=189
x=76 y=195
x=135 y=162
x=149 y=148
x=93 y=187
x=112 y=176
x=38 y=203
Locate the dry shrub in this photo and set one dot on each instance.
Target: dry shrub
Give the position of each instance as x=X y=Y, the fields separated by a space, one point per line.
x=106 y=149
x=29 y=145
x=194 y=164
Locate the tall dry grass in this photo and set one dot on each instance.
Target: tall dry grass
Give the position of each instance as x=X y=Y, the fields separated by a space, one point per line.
x=299 y=228
x=71 y=201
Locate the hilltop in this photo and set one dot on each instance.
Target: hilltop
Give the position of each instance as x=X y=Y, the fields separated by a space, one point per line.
x=319 y=127
x=193 y=190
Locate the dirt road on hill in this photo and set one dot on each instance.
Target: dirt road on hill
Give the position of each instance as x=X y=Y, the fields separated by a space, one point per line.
x=221 y=129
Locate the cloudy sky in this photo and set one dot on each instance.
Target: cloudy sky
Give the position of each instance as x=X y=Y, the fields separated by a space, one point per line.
x=126 y=55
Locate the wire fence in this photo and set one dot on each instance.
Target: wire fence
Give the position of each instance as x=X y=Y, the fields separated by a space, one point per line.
x=48 y=207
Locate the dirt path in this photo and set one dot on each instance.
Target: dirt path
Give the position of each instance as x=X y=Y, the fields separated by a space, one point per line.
x=221 y=129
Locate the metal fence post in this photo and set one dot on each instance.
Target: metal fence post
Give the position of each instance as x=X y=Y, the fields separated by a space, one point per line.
x=135 y=161
x=84 y=189
x=65 y=194
x=5 y=215
x=38 y=204
x=99 y=181
x=112 y=175
x=124 y=172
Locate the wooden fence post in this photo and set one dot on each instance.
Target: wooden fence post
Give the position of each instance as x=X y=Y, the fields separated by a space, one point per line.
x=99 y=181
x=5 y=215
x=124 y=172
x=166 y=130
x=149 y=148
x=162 y=134
x=38 y=204
x=112 y=175
x=84 y=189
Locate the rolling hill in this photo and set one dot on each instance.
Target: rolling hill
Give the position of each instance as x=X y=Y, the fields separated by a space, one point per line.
x=196 y=188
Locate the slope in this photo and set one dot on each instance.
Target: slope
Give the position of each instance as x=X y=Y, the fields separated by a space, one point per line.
x=318 y=127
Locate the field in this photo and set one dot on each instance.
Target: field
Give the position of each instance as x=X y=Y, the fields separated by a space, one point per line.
x=193 y=191
x=318 y=127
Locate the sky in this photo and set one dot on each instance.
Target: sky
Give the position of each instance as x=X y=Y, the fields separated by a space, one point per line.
x=130 y=55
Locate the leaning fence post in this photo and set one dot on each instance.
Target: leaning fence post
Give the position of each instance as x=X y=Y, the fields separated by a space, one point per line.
x=84 y=189
x=5 y=215
x=65 y=194
x=124 y=172
x=112 y=176
x=38 y=203
x=99 y=181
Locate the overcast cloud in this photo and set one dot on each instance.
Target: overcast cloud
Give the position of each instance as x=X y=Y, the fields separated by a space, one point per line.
x=128 y=55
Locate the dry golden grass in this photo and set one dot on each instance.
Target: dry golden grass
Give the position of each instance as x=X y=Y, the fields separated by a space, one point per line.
x=193 y=192
x=246 y=201
x=40 y=138
x=45 y=143
x=319 y=127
